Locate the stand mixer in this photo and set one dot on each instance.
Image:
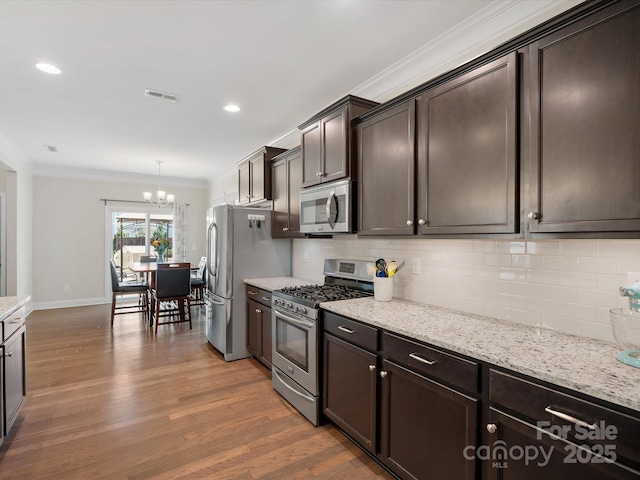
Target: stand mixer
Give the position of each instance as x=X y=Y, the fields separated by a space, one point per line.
x=626 y=326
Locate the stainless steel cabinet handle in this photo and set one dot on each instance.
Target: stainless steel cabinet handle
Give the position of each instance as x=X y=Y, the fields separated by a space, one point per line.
x=285 y=229
x=383 y=374
x=258 y=310
x=422 y=222
x=569 y=418
x=409 y=223
x=417 y=357
x=372 y=368
x=492 y=428
x=251 y=292
x=266 y=298
x=10 y=354
x=533 y=215
x=345 y=329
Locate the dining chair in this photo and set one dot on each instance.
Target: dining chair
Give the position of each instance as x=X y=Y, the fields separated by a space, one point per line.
x=119 y=288
x=198 y=283
x=172 y=294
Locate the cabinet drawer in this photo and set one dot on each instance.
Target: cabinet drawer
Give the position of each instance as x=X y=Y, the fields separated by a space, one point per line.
x=258 y=294
x=12 y=323
x=354 y=332
x=435 y=363
x=596 y=425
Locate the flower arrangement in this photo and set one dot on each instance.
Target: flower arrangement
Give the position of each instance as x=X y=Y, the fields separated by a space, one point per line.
x=160 y=245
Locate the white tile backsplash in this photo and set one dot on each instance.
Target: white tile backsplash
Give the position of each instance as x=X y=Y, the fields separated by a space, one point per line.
x=564 y=285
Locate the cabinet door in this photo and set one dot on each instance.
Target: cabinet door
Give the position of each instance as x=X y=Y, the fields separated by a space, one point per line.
x=425 y=427
x=349 y=391
x=386 y=166
x=467 y=147
x=280 y=214
x=335 y=146
x=266 y=336
x=15 y=380
x=254 y=328
x=259 y=184
x=294 y=165
x=585 y=112
x=311 y=154
x=244 y=183
x=543 y=456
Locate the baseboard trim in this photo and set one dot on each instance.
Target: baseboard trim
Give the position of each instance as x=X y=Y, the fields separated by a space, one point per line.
x=81 y=302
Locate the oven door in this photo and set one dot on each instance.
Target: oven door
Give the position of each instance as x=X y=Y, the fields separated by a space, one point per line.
x=295 y=348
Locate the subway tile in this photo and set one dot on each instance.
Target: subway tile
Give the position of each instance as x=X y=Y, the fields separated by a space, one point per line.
x=472 y=258
x=597 y=265
x=483 y=271
x=577 y=248
x=542 y=277
x=560 y=324
x=511 y=301
x=542 y=247
x=595 y=330
x=559 y=293
x=499 y=260
x=497 y=311
x=615 y=248
x=559 y=263
x=597 y=298
x=512 y=274
x=524 y=289
x=485 y=246
x=526 y=317
x=548 y=307
x=577 y=280
x=452 y=257
x=526 y=261
x=628 y=265
x=512 y=247
x=610 y=282
x=577 y=311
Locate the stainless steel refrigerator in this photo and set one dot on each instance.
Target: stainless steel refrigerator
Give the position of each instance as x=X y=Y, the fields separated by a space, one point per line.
x=239 y=246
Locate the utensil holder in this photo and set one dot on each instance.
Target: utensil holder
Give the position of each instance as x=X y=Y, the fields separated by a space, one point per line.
x=383 y=289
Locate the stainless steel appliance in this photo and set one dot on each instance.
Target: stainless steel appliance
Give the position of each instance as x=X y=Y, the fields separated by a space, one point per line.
x=297 y=327
x=239 y=246
x=327 y=208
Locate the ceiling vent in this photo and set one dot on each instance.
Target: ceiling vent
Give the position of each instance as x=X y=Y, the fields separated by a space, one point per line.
x=169 y=97
x=51 y=148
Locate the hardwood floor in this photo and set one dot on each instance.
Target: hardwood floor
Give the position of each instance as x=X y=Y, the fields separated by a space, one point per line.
x=125 y=404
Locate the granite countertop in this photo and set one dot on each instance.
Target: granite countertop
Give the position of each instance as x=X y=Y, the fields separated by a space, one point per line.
x=8 y=305
x=578 y=363
x=276 y=283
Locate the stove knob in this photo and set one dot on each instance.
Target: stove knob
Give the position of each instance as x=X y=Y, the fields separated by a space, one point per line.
x=276 y=301
x=302 y=310
x=289 y=305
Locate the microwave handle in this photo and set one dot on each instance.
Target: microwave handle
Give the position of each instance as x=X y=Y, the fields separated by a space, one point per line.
x=332 y=197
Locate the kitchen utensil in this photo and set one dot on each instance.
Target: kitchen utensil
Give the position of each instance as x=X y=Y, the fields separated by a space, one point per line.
x=396 y=269
x=371 y=269
x=391 y=268
x=381 y=265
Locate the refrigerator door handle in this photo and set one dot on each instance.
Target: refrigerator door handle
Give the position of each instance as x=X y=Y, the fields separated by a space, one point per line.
x=213 y=299
x=212 y=235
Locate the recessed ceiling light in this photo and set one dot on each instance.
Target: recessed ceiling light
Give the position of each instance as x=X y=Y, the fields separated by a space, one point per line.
x=232 y=108
x=45 y=67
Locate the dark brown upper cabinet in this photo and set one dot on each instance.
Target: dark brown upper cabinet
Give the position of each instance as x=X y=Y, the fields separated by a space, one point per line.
x=386 y=172
x=466 y=132
x=585 y=113
x=254 y=176
x=326 y=141
x=286 y=175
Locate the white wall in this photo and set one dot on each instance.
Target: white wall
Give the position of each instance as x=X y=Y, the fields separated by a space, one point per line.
x=565 y=285
x=69 y=235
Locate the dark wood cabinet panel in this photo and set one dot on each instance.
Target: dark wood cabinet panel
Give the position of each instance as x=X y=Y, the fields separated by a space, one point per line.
x=349 y=390
x=585 y=112
x=467 y=152
x=254 y=176
x=328 y=147
x=425 y=427
x=15 y=379
x=267 y=345
x=254 y=328
x=386 y=172
x=259 y=336
x=286 y=175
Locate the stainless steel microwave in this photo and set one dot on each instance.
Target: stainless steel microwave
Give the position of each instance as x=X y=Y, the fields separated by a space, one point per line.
x=327 y=208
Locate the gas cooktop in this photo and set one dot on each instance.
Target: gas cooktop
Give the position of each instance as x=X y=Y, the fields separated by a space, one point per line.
x=312 y=295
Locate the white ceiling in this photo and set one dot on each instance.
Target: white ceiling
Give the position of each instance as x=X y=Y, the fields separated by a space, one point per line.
x=280 y=61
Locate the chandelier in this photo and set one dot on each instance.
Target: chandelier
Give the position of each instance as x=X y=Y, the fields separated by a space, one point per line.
x=162 y=197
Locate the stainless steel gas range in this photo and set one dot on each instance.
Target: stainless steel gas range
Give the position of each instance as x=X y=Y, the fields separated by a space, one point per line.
x=297 y=330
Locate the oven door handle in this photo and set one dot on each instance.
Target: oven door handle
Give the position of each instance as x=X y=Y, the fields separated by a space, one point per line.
x=300 y=394
x=294 y=321
x=330 y=200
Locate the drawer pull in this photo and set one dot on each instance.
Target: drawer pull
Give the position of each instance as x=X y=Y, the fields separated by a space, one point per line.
x=417 y=357
x=383 y=374
x=19 y=320
x=10 y=354
x=492 y=428
x=571 y=419
x=258 y=310
x=372 y=368
x=251 y=292
x=266 y=298
x=345 y=329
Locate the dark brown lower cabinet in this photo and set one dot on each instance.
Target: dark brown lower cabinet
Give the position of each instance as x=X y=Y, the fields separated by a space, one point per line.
x=350 y=390
x=14 y=377
x=259 y=324
x=425 y=426
x=520 y=451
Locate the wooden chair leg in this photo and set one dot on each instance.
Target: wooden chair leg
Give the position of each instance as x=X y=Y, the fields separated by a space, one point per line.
x=113 y=307
x=189 y=311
